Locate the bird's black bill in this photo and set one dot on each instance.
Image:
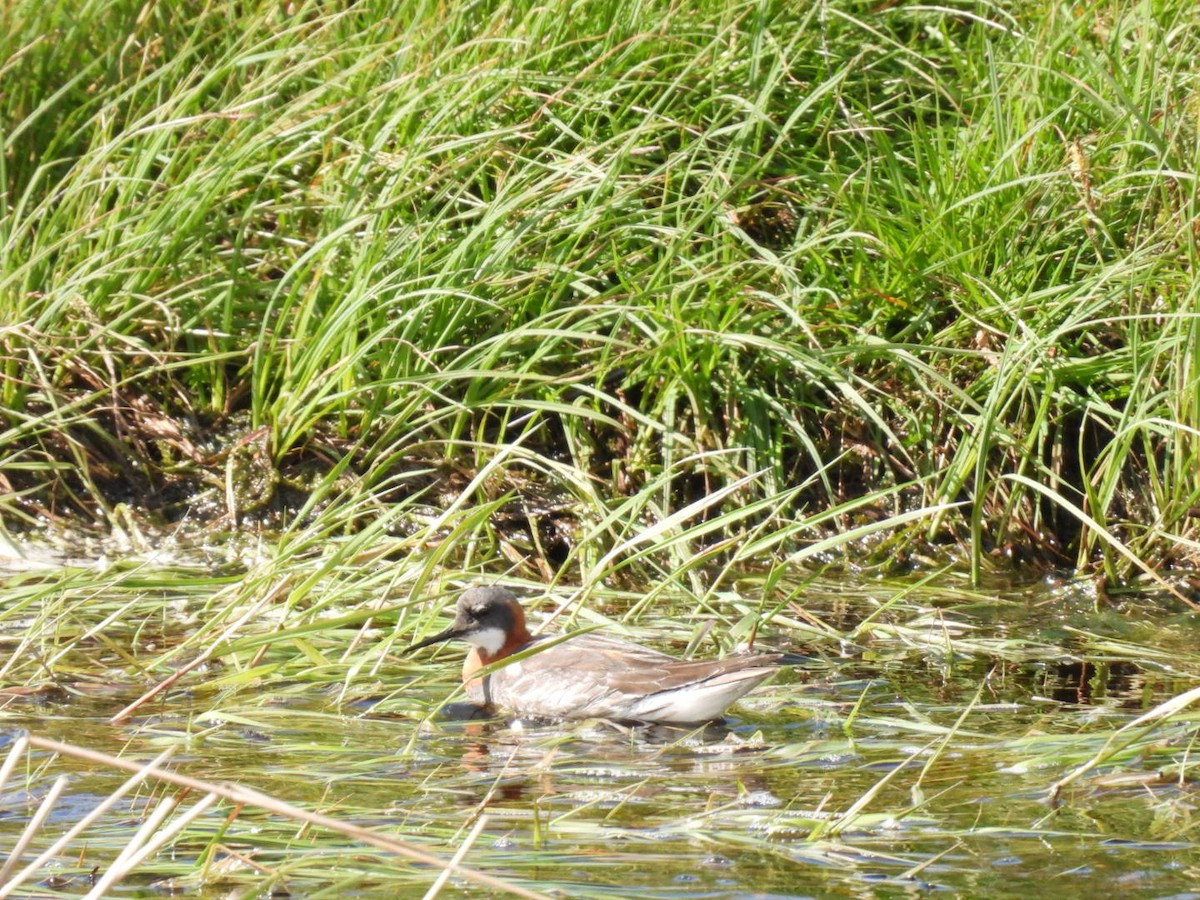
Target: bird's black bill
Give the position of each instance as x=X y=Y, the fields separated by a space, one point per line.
x=446 y=635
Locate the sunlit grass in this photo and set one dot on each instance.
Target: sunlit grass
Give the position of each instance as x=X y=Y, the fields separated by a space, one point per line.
x=939 y=252
x=310 y=317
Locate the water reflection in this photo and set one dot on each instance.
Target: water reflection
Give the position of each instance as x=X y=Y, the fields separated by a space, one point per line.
x=1084 y=683
x=516 y=760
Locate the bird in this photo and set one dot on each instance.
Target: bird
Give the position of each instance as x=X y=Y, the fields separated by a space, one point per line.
x=589 y=675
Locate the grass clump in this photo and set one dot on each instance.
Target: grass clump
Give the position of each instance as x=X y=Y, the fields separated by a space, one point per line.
x=913 y=256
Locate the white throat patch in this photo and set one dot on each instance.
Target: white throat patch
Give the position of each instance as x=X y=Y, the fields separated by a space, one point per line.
x=489 y=640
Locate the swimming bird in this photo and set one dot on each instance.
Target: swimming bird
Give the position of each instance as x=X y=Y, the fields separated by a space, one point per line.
x=589 y=675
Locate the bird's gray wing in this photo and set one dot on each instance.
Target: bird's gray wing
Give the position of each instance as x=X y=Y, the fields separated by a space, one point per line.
x=596 y=675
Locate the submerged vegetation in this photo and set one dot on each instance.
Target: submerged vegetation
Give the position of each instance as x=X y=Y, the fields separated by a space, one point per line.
x=312 y=313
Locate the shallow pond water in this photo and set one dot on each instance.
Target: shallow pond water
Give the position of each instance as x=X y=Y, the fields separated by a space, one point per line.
x=912 y=749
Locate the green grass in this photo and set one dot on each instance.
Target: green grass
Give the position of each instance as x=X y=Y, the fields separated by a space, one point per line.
x=311 y=314
x=904 y=256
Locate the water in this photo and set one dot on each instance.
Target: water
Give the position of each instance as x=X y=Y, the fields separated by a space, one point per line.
x=916 y=754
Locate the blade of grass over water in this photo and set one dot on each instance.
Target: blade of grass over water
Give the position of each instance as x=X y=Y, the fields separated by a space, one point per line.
x=1127 y=735
x=242 y=796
